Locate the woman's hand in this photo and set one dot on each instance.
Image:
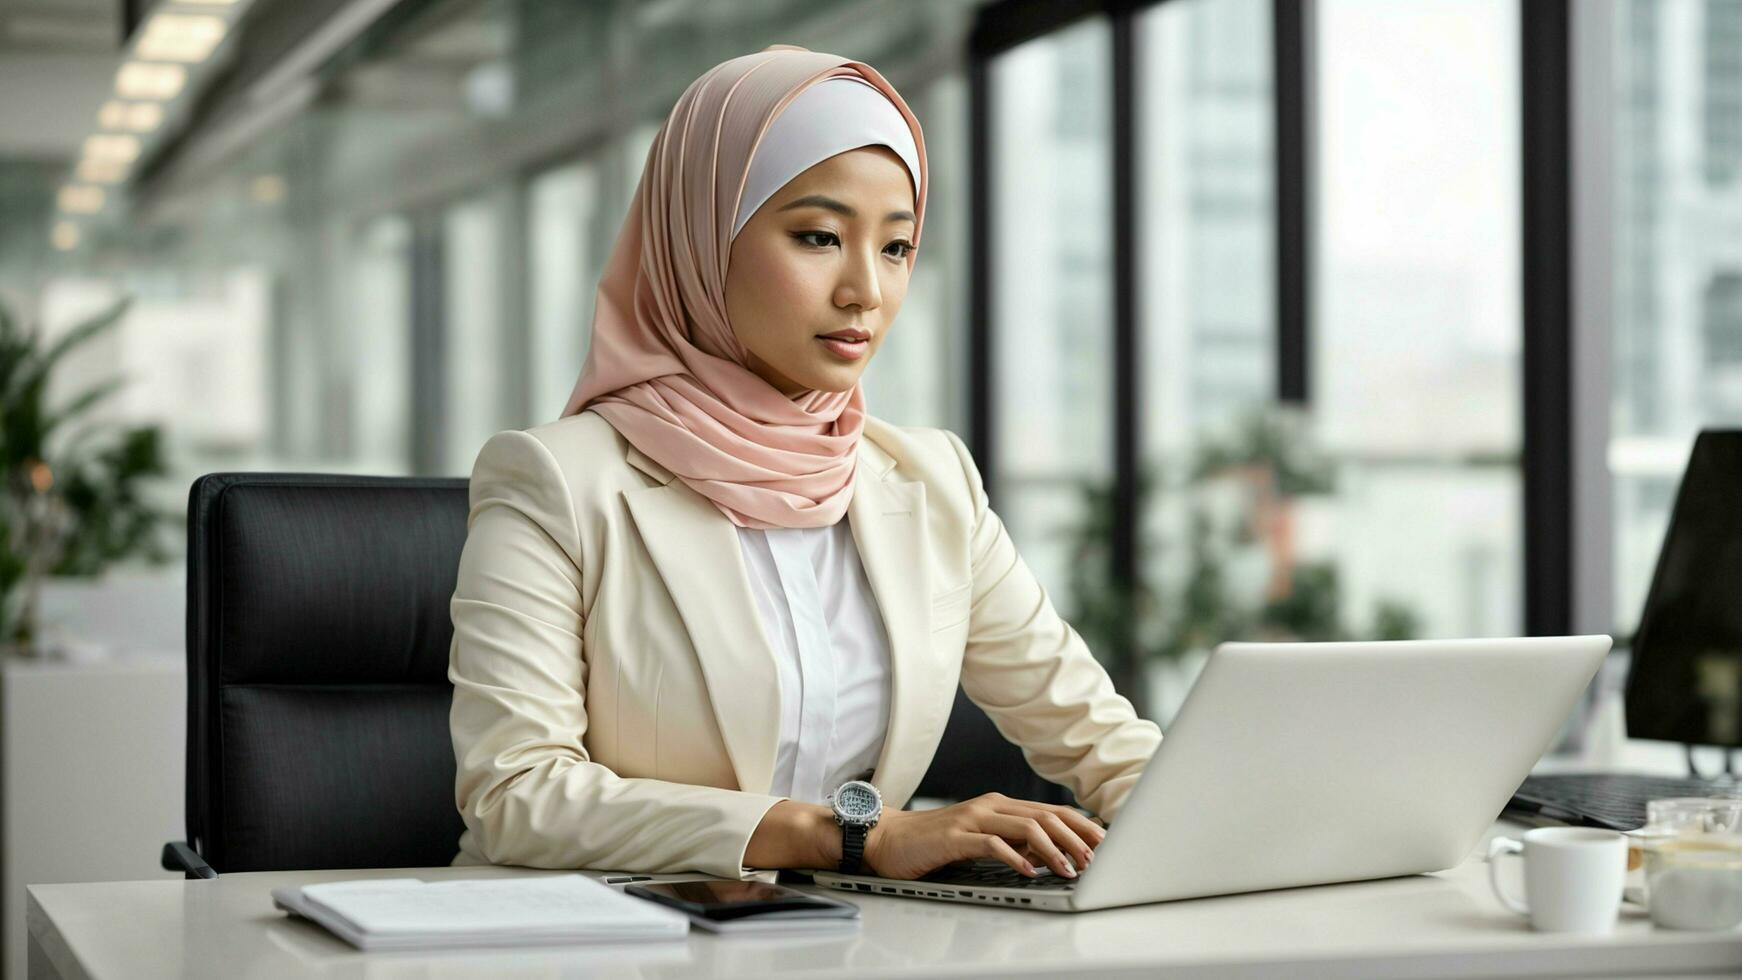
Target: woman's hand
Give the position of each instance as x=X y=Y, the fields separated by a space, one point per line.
x=908 y=843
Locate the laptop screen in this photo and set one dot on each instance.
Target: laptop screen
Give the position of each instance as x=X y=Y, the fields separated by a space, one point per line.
x=1685 y=683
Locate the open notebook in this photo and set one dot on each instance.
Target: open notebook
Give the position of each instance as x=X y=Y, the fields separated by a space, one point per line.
x=406 y=913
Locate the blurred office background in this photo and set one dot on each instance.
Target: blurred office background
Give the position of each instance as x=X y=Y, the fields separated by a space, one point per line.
x=1264 y=318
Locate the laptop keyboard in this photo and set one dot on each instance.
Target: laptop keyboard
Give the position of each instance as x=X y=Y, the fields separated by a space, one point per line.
x=996 y=874
x=1613 y=801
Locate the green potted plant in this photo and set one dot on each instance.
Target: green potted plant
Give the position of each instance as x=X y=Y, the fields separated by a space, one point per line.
x=71 y=502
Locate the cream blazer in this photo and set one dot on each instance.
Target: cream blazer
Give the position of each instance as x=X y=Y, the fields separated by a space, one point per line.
x=615 y=700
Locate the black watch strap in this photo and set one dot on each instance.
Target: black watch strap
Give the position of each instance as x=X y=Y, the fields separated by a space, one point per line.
x=852 y=847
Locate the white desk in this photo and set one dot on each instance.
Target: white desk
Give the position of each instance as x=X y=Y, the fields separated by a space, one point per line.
x=90 y=775
x=91 y=749
x=1442 y=925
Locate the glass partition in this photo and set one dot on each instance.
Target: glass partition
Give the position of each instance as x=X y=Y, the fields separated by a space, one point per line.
x=1416 y=333
x=1208 y=260
x=379 y=352
x=568 y=252
x=474 y=395
x=1677 y=290
x=1051 y=305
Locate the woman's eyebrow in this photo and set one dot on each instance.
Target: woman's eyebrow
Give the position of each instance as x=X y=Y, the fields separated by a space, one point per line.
x=840 y=208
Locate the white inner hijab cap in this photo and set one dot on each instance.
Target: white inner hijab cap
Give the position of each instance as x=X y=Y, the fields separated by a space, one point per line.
x=833 y=116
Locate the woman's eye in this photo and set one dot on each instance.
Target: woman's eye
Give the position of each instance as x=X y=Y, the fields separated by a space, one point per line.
x=825 y=239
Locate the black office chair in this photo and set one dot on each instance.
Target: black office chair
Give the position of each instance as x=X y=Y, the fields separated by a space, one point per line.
x=317 y=659
x=973 y=758
x=317 y=654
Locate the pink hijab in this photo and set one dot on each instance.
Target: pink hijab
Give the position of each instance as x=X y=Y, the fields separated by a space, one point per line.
x=665 y=368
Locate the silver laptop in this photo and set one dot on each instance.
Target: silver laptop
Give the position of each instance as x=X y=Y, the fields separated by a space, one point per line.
x=1309 y=763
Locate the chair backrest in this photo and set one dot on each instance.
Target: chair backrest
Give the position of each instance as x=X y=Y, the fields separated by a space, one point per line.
x=317 y=643
x=973 y=757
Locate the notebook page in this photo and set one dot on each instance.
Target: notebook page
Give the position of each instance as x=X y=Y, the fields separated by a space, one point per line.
x=564 y=903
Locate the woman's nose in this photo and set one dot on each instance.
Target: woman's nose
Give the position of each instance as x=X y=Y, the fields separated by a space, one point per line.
x=858 y=285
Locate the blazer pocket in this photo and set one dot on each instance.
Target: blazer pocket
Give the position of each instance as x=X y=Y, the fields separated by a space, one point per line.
x=950 y=607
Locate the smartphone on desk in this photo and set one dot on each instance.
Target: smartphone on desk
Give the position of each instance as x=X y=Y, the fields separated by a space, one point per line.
x=720 y=905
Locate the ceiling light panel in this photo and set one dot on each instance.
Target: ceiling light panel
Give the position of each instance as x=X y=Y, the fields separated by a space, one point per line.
x=80 y=199
x=134 y=117
x=180 y=37
x=112 y=146
x=65 y=236
x=102 y=171
x=149 y=80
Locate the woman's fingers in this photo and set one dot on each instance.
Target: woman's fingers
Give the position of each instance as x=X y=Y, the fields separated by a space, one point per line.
x=1057 y=827
x=1069 y=838
x=997 y=847
x=1091 y=832
x=1061 y=836
x=1015 y=827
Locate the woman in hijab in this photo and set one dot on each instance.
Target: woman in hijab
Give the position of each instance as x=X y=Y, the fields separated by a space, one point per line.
x=716 y=598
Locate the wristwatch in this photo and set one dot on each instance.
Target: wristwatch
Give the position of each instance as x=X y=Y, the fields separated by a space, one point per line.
x=857 y=805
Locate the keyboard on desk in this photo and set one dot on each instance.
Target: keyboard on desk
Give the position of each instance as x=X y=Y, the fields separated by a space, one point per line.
x=1615 y=801
x=988 y=873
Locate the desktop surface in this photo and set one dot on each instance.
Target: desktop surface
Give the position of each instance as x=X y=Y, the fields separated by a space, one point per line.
x=1442 y=924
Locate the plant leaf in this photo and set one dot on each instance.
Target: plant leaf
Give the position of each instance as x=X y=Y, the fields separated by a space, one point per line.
x=85 y=331
x=44 y=361
x=83 y=401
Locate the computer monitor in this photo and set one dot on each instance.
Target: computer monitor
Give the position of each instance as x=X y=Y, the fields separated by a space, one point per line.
x=1685 y=684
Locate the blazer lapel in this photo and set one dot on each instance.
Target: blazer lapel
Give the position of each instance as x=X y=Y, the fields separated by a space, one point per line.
x=695 y=548
x=696 y=551
x=888 y=519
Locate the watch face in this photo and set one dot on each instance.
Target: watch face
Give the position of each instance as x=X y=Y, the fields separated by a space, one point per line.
x=857 y=801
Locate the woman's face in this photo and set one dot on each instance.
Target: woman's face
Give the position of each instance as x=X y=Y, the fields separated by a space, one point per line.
x=827 y=253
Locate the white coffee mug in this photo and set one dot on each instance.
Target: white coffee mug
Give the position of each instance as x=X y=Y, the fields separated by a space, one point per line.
x=1573 y=877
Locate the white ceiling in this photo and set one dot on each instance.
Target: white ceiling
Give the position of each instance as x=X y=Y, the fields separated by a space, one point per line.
x=57 y=62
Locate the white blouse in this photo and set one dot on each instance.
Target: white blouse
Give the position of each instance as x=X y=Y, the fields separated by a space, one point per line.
x=827 y=633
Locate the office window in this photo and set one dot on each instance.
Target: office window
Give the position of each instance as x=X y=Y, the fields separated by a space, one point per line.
x=563 y=218
x=1208 y=270
x=1676 y=118
x=475 y=395
x=1416 y=330
x=574 y=214
x=1051 y=307
x=378 y=346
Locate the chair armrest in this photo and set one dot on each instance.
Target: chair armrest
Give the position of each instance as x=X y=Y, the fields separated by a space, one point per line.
x=177 y=856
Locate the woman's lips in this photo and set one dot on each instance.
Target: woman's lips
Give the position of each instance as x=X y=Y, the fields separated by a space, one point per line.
x=850 y=350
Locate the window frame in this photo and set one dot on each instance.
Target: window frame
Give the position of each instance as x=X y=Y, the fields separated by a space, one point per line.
x=1563 y=376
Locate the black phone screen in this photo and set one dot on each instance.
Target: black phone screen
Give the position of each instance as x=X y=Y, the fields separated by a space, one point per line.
x=729 y=899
